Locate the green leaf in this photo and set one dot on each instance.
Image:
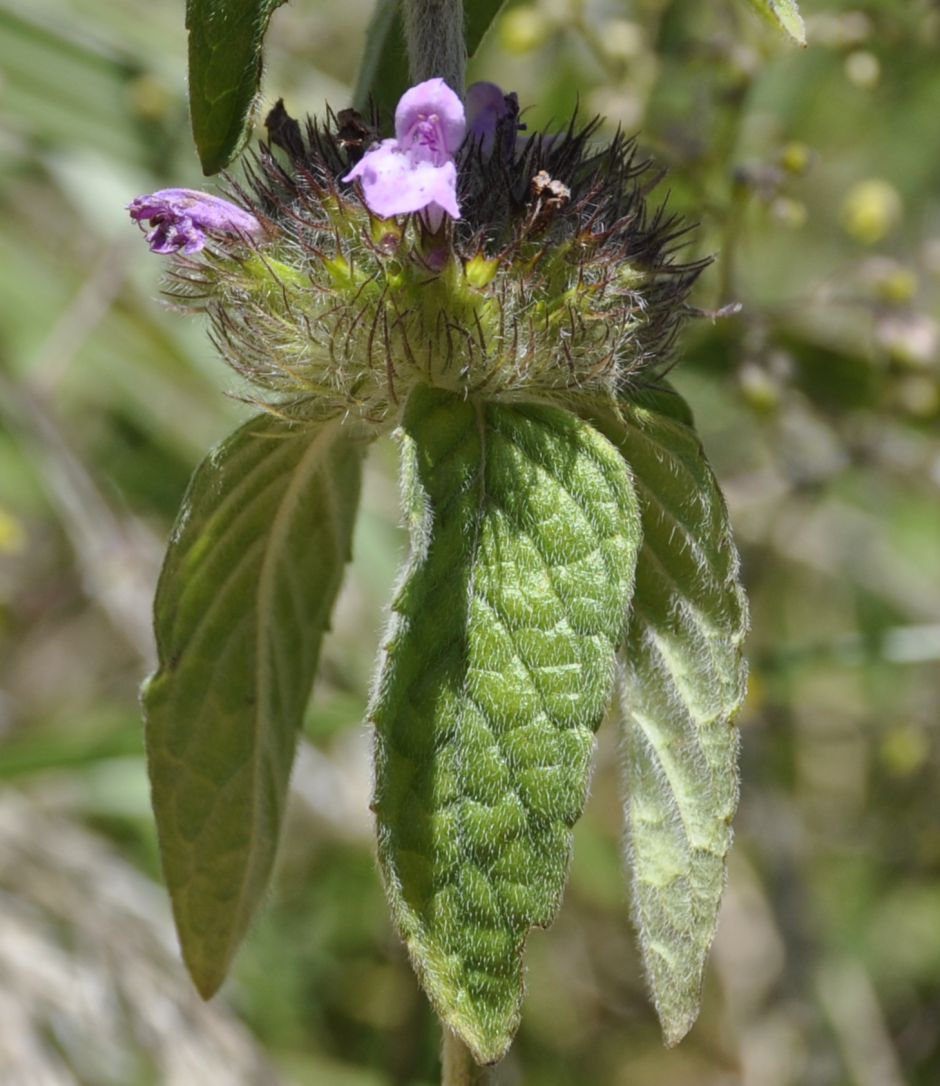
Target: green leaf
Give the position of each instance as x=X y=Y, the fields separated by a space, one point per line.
x=498 y=670
x=684 y=681
x=225 y=40
x=784 y=15
x=383 y=70
x=246 y=592
x=478 y=16
x=662 y=399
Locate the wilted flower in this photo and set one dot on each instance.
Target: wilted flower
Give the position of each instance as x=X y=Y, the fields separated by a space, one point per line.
x=415 y=171
x=180 y=219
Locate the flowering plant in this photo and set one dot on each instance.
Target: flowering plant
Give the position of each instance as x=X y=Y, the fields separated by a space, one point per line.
x=416 y=171
x=508 y=307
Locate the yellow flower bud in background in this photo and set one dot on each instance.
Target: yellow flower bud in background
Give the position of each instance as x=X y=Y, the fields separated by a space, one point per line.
x=523 y=29
x=796 y=158
x=871 y=210
x=890 y=281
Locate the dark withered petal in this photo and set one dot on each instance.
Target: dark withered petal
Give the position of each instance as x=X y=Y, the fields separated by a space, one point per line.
x=605 y=208
x=332 y=147
x=284 y=131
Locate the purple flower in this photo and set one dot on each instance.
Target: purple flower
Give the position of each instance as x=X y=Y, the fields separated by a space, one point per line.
x=416 y=170
x=180 y=219
x=491 y=112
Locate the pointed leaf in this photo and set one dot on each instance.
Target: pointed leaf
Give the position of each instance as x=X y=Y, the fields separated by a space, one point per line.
x=684 y=681
x=478 y=17
x=383 y=70
x=225 y=43
x=498 y=670
x=245 y=595
x=784 y=15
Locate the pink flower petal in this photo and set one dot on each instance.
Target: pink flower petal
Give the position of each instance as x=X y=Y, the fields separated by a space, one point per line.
x=432 y=98
x=180 y=219
x=416 y=170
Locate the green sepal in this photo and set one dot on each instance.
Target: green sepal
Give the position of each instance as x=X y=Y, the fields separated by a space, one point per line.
x=784 y=15
x=247 y=587
x=684 y=680
x=225 y=60
x=499 y=665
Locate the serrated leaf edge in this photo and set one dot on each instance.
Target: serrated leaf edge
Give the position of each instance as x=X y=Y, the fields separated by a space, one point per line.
x=408 y=923
x=207 y=982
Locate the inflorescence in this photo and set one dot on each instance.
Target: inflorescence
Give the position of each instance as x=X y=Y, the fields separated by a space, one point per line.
x=462 y=253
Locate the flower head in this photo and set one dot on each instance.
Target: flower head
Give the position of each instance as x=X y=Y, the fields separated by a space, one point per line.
x=180 y=219
x=556 y=280
x=415 y=171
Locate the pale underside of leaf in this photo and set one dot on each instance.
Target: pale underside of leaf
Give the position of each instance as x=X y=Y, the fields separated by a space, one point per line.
x=784 y=15
x=244 y=598
x=498 y=670
x=684 y=680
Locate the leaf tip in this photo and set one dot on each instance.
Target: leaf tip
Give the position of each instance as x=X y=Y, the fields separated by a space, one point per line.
x=791 y=22
x=676 y=1028
x=487 y=1029
x=487 y=1046
x=785 y=15
x=207 y=976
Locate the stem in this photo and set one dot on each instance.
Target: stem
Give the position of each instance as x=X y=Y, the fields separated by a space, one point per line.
x=435 y=39
x=457 y=1065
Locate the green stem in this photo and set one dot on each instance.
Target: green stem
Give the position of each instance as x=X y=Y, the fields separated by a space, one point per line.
x=457 y=1065
x=435 y=38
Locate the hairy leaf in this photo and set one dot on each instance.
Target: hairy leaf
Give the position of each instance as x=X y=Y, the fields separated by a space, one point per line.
x=225 y=46
x=785 y=15
x=383 y=70
x=684 y=681
x=245 y=595
x=498 y=670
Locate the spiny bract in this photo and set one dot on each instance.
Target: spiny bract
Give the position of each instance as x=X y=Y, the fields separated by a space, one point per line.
x=555 y=281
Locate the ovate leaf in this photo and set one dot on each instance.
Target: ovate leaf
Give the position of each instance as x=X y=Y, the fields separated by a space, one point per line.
x=684 y=681
x=225 y=43
x=498 y=669
x=245 y=595
x=784 y=15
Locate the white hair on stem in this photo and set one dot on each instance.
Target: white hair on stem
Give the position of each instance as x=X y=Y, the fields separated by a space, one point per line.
x=434 y=35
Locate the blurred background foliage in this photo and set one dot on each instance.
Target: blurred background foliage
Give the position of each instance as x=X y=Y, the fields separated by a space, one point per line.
x=814 y=177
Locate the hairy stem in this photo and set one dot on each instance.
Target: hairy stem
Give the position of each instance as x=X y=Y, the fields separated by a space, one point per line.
x=435 y=38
